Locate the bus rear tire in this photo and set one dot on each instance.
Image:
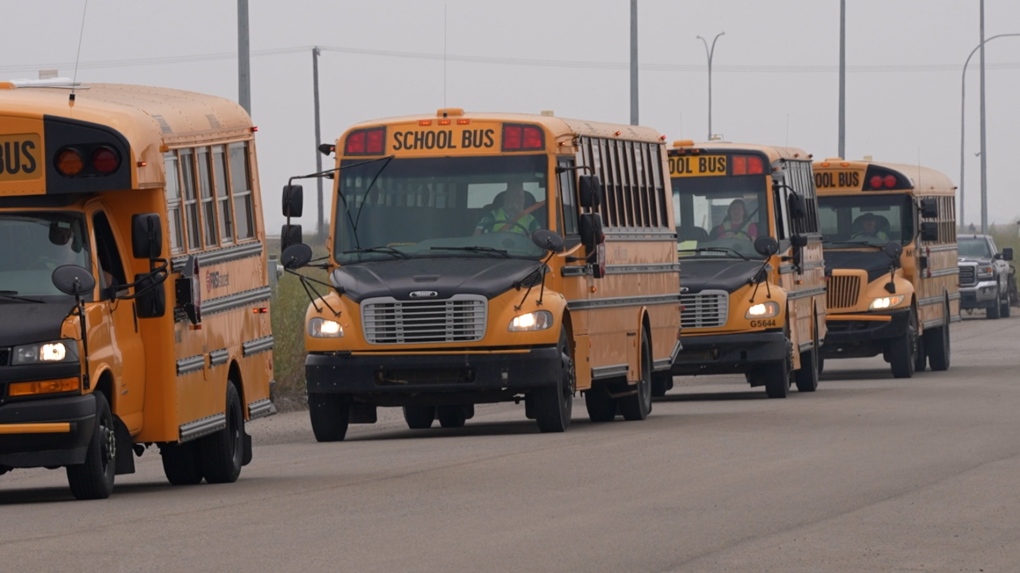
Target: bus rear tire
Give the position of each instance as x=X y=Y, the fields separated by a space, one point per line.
x=180 y=463
x=637 y=406
x=221 y=454
x=662 y=382
x=554 y=405
x=937 y=345
x=419 y=417
x=93 y=479
x=330 y=415
x=807 y=377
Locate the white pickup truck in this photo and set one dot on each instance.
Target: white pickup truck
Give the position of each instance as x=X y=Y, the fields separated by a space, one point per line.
x=984 y=275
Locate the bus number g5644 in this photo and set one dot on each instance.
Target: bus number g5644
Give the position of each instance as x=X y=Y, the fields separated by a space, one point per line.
x=764 y=323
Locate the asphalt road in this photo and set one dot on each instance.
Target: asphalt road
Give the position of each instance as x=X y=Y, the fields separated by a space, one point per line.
x=868 y=473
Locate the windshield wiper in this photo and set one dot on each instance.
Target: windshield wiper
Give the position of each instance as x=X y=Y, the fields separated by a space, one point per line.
x=500 y=252
x=12 y=294
x=857 y=243
x=387 y=250
x=714 y=250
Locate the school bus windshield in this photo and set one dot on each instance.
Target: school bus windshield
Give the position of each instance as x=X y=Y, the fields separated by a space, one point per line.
x=441 y=206
x=34 y=245
x=720 y=216
x=866 y=220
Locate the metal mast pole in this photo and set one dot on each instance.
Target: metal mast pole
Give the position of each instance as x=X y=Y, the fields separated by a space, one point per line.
x=320 y=225
x=842 y=78
x=633 y=64
x=243 y=57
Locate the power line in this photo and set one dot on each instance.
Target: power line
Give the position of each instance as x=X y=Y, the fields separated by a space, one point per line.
x=527 y=62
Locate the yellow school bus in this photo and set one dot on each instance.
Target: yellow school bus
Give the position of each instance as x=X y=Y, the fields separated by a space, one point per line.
x=478 y=258
x=890 y=251
x=133 y=284
x=751 y=264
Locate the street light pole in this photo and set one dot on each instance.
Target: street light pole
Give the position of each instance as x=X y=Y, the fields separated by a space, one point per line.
x=963 y=97
x=709 y=52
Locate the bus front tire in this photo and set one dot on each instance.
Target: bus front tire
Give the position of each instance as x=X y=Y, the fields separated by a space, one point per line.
x=553 y=406
x=330 y=415
x=903 y=351
x=221 y=454
x=94 y=478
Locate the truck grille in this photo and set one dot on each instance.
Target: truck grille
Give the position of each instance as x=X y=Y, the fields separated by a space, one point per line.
x=842 y=292
x=705 y=309
x=968 y=275
x=460 y=318
x=5 y=356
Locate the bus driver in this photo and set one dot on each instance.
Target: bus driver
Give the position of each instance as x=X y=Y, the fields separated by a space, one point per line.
x=510 y=216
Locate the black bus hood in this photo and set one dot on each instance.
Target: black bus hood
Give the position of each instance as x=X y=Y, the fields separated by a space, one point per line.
x=875 y=262
x=720 y=273
x=431 y=278
x=26 y=322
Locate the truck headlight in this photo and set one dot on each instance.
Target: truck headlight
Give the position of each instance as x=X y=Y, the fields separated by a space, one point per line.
x=985 y=271
x=45 y=352
x=884 y=302
x=532 y=321
x=323 y=328
x=768 y=309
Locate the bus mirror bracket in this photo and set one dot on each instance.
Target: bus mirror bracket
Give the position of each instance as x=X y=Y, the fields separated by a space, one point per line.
x=929 y=208
x=589 y=189
x=146 y=236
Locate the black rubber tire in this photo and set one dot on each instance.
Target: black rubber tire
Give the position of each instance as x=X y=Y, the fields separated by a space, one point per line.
x=451 y=416
x=419 y=417
x=937 y=345
x=94 y=478
x=807 y=376
x=637 y=406
x=221 y=454
x=330 y=415
x=662 y=382
x=777 y=378
x=600 y=405
x=903 y=351
x=554 y=405
x=993 y=312
x=1004 y=311
x=180 y=463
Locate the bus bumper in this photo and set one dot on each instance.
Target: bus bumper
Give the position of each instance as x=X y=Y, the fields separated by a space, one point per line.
x=406 y=379
x=855 y=337
x=728 y=353
x=46 y=433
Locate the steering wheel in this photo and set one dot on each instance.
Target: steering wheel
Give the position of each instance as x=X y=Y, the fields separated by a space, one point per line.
x=506 y=227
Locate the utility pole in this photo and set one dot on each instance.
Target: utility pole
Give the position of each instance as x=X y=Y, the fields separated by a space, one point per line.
x=984 y=154
x=842 y=78
x=243 y=57
x=709 y=52
x=320 y=226
x=633 y=64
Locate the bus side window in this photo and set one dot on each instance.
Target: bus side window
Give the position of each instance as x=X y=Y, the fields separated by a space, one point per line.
x=568 y=202
x=111 y=269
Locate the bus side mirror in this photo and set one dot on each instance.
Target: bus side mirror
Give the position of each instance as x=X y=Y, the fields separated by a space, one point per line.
x=146 y=236
x=188 y=291
x=589 y=191
x=289 y=235
x=766 y=246
x=296 y=256
x=293 y=200
x=929 y=208
x=929 y=231
x=798 y=241
x=795 y=202
x=593 y=238
x=547 y=240
x=151 y=297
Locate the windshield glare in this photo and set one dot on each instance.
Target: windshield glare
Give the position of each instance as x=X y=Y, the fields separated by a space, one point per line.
x=34 y=245
x=449 y=206
x=866 y=220
x=720 y=216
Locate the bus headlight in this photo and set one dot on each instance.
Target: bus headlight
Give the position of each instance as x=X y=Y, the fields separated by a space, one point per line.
x=45 y=352
x=538 y=320
x=768 y=309
x=323 y=328
x=884 y=302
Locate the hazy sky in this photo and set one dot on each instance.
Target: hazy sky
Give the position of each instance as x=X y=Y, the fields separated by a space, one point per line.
x=775 y=71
